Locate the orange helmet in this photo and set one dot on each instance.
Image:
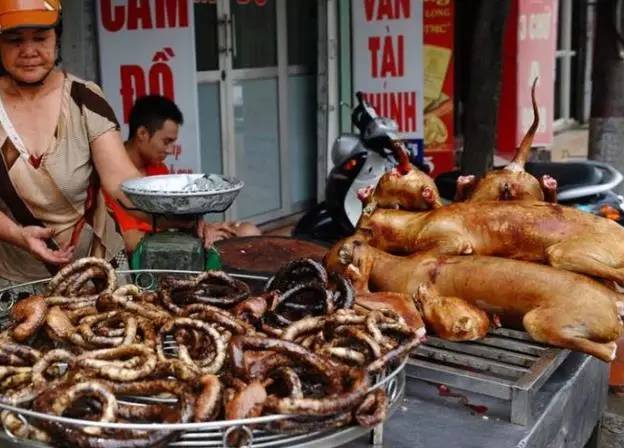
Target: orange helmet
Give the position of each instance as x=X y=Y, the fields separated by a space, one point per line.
x=29 y=14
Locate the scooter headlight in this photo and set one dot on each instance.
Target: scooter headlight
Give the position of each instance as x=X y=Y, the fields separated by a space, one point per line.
x=345 y=147
x=350 y=164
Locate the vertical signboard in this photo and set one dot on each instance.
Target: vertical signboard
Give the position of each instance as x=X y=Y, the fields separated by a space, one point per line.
x=148 y=47
x=537 y=46
x=438 y=63
x=530 y=48
x=387 y=62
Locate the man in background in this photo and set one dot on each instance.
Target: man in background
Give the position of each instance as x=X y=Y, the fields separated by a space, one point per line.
x=154 y=124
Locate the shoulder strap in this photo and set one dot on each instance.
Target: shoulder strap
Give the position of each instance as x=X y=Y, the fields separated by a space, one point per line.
x=19 y=210
x=12 y=134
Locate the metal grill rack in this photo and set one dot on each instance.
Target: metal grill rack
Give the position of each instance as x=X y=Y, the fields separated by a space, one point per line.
x=507 y=365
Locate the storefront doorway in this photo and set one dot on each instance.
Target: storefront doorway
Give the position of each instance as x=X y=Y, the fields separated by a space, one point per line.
x=256 y=62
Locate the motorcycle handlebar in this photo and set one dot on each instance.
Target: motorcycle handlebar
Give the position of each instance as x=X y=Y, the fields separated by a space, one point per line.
x=363 y=112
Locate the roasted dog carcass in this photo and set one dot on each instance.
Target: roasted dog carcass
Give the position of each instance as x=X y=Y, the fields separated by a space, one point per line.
x=511 y=182
x=563 y=237
x=413 y=191
x=556 y=307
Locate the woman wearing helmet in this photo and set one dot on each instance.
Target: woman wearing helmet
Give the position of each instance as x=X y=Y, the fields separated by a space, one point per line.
x=59 y=145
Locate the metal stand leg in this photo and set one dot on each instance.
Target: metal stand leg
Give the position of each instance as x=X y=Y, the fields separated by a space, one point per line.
x=520 y=407
x=376 y=436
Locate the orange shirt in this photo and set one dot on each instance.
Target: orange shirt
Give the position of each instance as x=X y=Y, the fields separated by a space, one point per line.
x=125 y=220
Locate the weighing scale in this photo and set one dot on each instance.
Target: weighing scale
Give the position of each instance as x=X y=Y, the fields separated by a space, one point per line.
x=185 y=197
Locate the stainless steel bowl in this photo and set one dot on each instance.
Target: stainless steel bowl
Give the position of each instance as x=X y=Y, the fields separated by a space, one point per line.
x=183 y=194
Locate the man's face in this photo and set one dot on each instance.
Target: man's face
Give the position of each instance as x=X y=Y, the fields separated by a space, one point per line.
x=28 y=55
x=159 y=145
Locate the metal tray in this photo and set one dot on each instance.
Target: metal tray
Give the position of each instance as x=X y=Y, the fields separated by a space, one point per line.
x=507 y=365
x=205 y=434
x=171 y=194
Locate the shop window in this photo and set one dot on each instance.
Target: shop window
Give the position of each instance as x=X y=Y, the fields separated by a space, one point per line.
x=302 y=32
x=255 y=34
x=301 y=18
x=206 y=36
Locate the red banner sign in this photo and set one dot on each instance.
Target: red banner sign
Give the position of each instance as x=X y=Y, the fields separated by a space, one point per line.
x=438 y=63
x=530 y=46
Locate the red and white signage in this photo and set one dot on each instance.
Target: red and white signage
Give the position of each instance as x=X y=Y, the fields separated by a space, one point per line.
x=148 y=47
x=387 y=60
x=530 y=46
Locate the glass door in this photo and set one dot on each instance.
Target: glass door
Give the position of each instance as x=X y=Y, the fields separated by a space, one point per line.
x=211 y=54
x=255 y=98
x=257 y=101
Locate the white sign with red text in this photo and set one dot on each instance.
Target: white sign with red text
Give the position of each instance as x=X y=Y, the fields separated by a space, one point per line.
x=148 y=47
x=536 y=49
x=387 y=60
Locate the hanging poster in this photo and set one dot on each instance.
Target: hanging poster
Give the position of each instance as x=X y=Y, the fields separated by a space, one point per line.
x=438 y=64
x=530 y=50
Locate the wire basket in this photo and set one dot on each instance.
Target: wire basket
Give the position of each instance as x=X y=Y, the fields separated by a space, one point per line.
x=204 y=434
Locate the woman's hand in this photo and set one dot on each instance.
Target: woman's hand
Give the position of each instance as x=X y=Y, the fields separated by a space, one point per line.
x=34 y=240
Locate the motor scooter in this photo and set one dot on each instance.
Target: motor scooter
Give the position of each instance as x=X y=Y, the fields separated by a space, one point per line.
x=359 y=161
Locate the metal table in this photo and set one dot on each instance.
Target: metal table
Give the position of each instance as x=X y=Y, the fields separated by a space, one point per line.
x=567 y=410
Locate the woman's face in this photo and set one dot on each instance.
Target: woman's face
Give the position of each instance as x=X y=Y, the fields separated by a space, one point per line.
x=28 y=55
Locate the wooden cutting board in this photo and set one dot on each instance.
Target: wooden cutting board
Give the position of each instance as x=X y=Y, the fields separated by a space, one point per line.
x=266 y=254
